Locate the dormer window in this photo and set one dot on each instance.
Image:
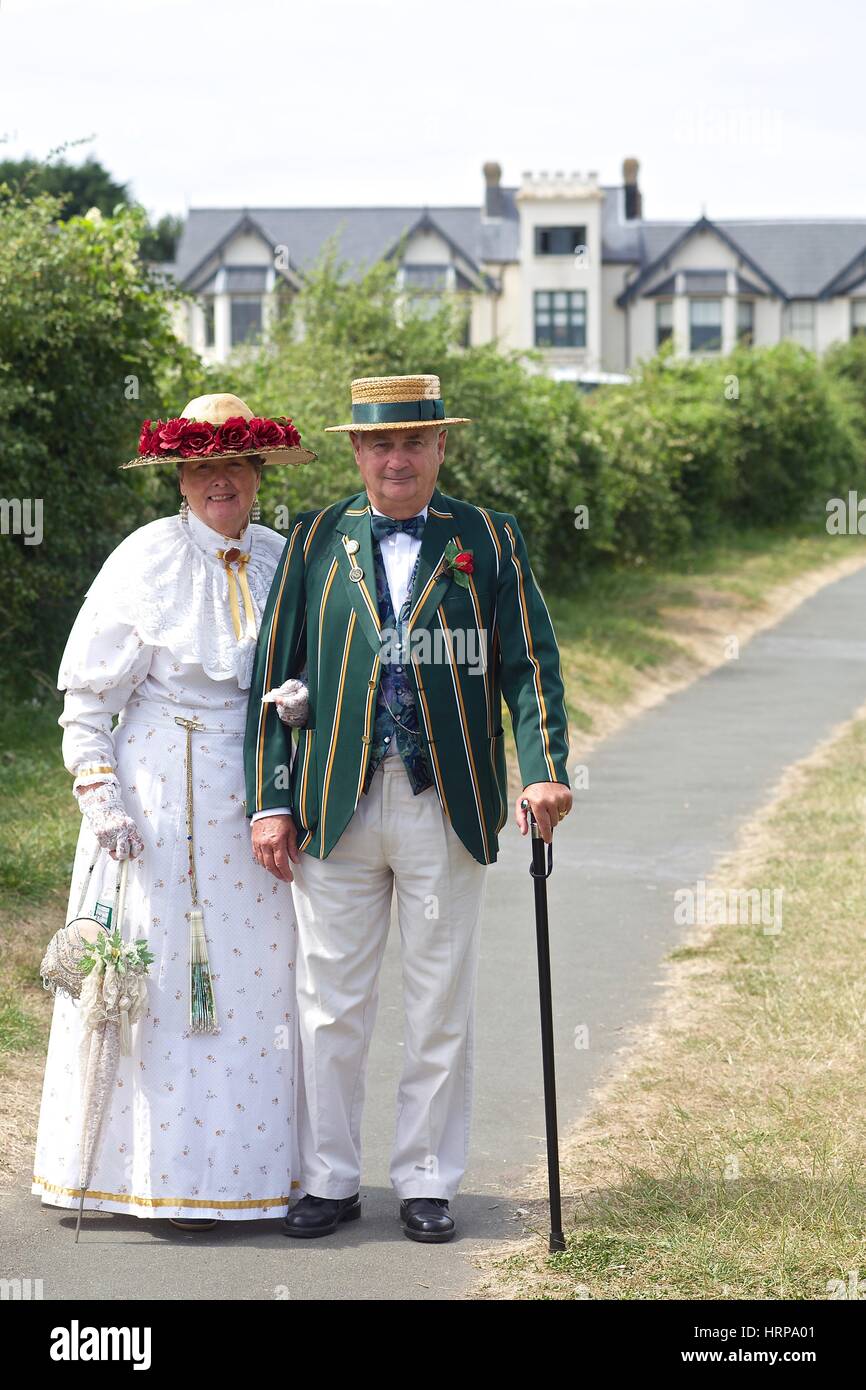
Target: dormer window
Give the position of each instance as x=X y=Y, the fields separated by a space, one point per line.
x=559 y=241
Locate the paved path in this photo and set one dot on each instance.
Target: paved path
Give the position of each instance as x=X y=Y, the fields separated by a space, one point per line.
x=666 y=797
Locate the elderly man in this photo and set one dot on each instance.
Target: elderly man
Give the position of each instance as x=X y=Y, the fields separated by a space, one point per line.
x=414 y=614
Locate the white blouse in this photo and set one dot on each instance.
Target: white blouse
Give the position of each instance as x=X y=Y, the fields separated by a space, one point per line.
x=157 y=629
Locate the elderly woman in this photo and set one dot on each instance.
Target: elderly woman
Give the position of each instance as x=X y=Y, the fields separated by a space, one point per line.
x=201 y=1112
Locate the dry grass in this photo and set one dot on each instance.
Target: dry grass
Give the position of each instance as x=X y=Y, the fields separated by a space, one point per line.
x=726 y=1158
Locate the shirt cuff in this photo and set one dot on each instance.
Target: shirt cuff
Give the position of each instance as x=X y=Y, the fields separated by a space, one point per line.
x=274 y=811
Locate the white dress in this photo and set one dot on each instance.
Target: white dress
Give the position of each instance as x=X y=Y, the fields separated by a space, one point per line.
x=199 y=1124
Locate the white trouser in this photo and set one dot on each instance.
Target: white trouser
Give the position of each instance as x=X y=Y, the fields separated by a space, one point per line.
x=395 y=840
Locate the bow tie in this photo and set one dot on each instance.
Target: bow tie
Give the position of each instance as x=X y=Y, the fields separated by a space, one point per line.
x=386 y=526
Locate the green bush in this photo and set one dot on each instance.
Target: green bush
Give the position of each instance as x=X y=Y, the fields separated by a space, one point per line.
x=762 y=436
x=799 y=434
x=86 y=342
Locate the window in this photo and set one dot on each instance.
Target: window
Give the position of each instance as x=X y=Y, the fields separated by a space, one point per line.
x=208 y=311
x=425 y=277
x=858 y=317
x=801 y=322
x=705 y=325
x=559 y=241
x=246 y=317
x=560 y=318
x=424 y=306
x=664 y=321
x=746 y=321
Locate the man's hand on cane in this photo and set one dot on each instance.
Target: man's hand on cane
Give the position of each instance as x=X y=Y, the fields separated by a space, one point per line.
x=550 y=803
x=275 y=843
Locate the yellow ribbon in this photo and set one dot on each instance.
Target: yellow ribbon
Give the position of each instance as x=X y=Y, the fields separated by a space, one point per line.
x=234 y=579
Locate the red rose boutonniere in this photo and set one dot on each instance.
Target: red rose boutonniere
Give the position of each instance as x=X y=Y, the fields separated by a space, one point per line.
x=460 y=563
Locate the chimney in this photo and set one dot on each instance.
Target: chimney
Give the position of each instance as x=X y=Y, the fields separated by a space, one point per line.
x=633 y=200
x=492 y=190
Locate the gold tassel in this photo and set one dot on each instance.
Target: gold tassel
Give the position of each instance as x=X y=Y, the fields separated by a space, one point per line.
x=202 y=1004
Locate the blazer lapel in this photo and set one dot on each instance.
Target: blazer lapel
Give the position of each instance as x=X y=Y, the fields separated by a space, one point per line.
x=432 y=578
x=354 y=525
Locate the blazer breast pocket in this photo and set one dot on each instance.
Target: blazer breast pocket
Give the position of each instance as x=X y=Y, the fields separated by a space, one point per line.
x=466 y=626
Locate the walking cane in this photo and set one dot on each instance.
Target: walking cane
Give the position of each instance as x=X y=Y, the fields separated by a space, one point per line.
x=540 y=876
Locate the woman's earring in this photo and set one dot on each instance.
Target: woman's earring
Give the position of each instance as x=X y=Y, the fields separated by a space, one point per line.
x=256 y=513
x=184 y=509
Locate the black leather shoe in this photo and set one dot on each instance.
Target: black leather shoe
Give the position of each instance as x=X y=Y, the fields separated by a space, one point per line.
x=427 y=1219
x=320 y=1216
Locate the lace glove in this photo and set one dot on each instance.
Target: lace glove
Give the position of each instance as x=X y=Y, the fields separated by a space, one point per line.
x=292 y=702
x=103 y=809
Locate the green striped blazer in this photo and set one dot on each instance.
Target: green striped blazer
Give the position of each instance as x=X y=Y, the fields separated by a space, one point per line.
x=469 y=647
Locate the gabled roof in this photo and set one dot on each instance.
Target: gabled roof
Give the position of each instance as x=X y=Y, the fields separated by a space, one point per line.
x=849 y=277
x=364 y=234
x=796 y=259
x=682 y=235
x=201 y=272
x=428 y=223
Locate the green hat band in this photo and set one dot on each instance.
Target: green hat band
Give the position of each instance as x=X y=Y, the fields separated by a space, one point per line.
x=393 y=412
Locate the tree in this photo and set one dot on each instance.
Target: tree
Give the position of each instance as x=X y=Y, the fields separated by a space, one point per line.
x=78 y=187
x=81 y=187
x=87 y=350
x=159 y=242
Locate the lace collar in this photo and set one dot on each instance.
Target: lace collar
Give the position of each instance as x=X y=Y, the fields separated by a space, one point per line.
x=173 y=590
x=210 y=541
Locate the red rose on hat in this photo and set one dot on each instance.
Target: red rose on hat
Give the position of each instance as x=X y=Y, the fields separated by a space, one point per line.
x=234 y=434
x=265 y=434
x=171 y=436
x=148 y=440
x=199 y=439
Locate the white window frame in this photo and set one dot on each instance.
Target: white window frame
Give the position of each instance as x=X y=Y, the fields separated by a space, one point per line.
x=701 y=300
x=800 y=322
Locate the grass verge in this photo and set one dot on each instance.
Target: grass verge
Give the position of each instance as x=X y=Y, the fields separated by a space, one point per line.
x=726 y=1158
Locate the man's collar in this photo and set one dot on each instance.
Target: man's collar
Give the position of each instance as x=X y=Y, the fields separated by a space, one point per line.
x=206 y=538
x=376 y=512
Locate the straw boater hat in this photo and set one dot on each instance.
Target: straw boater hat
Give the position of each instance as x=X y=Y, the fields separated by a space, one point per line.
x=397 y=403
x=216 y=427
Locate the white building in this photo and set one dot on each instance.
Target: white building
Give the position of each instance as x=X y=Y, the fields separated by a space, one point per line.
x=560 y=263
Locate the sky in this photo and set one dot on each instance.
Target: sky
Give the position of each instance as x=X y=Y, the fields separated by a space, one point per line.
x=733 y=109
